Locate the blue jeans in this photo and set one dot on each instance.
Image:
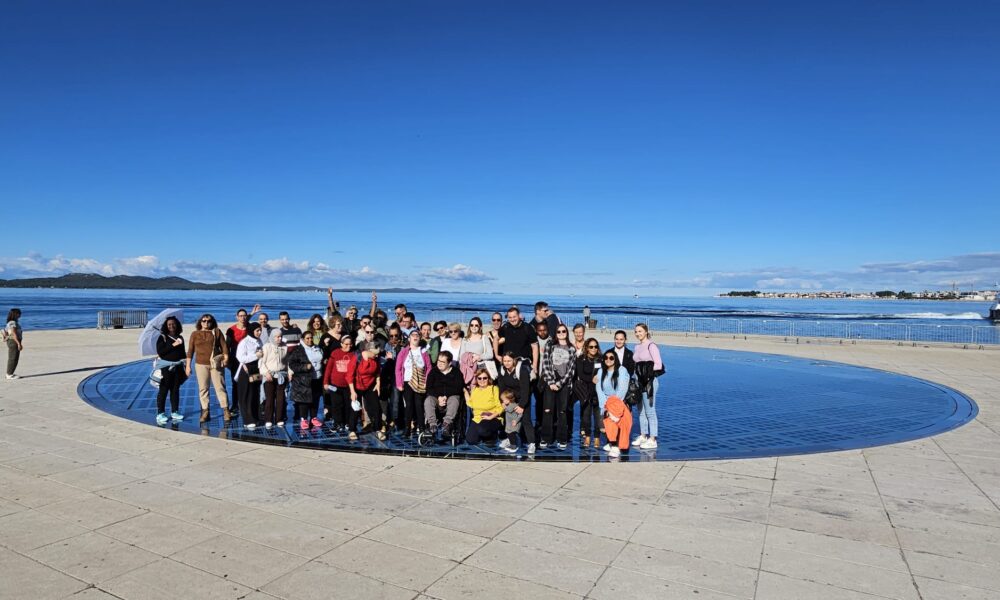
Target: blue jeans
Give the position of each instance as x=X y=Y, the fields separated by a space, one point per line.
x=647 y=413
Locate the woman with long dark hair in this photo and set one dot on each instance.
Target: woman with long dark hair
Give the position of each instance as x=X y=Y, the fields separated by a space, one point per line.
x=14 y=337
x=612 y=382
x=210 y=352
x=587 y=365
x=248 y=354
x=558 y=368
x=170 y=362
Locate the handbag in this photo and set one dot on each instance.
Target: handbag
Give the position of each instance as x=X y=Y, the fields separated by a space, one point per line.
x=634 y=393
x=418 y=381
x=215 y=361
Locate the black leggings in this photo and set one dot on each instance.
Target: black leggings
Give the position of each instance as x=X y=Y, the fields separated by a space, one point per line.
x=170 y=381
x=308 y=410
x=248 y=393
x=414 y=407
x=483 y=430
x=340 y=405
x=590 y=412
x=555 y=409
x=368 y=400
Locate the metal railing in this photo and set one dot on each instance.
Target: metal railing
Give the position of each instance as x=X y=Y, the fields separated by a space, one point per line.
x=122 y=319
x=844 y=330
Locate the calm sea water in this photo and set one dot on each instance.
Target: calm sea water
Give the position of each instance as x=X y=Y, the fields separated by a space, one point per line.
x=65 y=309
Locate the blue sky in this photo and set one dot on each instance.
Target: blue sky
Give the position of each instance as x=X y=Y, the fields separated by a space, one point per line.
x=674 y=148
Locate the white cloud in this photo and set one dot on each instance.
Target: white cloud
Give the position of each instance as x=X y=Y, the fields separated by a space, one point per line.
x=459 y=273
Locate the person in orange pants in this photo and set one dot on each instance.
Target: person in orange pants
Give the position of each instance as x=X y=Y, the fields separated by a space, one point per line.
x=617 y=425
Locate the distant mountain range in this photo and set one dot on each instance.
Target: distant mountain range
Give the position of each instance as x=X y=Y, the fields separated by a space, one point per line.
x=92 y=281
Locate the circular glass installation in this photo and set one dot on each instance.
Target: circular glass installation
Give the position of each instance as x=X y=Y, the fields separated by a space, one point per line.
x=711 y=404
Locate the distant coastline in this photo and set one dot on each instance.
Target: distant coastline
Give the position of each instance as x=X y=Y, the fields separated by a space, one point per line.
x=972 y=296
x=91 y=281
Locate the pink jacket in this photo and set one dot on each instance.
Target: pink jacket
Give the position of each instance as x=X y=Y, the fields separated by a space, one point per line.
x=401 y=360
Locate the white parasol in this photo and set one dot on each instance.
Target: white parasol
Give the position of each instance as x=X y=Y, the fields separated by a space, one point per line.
x=147 y=339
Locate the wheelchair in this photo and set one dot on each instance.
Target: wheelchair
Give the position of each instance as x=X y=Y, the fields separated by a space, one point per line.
x=426 y=439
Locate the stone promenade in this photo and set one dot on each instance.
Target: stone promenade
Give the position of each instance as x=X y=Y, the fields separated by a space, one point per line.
x=92 y=506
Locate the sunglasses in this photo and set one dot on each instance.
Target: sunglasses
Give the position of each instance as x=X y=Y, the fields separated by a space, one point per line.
x=561 y=331
x=496 y=320
x=591 y=347
x=482 y=378
x=206 y=320
x=611 y=358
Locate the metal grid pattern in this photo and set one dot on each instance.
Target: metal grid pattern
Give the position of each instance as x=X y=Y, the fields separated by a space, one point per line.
x=712 y=404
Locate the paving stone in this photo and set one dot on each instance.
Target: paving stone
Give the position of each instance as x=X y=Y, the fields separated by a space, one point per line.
x=619 y=583
x=91 y=511
x=157 y=533
x=697 y=572
x=468 y=583
x=25 y=578
x=239 y=560
x=166 y=579
x=541 y=566
x=457 y=518
x=320 y=581
x=30 y=529
x=92 y=557
x=850 y=575
x=391 y=564
x=436 y=541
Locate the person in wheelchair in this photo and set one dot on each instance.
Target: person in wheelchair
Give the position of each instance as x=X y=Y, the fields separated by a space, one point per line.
x=445 y=386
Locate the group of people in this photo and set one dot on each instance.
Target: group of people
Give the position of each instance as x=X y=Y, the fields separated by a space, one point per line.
x=371 y=375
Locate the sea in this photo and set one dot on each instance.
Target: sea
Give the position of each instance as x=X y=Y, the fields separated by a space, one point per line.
x=72 y=309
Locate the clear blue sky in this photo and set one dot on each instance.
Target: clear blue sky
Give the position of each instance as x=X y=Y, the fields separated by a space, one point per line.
x=613 y=147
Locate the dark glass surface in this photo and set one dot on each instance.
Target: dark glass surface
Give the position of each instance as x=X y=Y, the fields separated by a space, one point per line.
x=711 y=404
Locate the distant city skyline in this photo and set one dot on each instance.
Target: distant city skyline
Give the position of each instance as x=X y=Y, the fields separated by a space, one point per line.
x=656 y=148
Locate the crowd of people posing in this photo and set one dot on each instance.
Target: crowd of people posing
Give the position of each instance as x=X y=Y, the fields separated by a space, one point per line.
x=369 y=375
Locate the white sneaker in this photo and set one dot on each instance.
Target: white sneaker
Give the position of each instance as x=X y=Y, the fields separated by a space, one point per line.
x=561 y=445
x=639 y=440
x=509 y=449
x=269 y=424
x=607 y=447
x=614 y=452
x=504 y=444
x=531 y=448
x=281 y=423
x=251 y=426
x=648 y=444
x=14 y=376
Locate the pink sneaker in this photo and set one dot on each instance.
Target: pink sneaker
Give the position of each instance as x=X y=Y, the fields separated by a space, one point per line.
x=316 y=422
x=303 y=424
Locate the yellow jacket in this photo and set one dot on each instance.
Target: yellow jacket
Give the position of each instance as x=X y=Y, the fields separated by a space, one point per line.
x=485 y=400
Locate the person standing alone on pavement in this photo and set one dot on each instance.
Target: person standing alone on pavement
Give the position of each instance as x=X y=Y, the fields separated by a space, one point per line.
x=14 y=337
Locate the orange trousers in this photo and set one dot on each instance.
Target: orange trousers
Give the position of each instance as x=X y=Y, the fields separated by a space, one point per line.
x=620 y=431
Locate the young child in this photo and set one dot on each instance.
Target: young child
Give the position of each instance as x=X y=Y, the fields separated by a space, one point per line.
x=512 y=421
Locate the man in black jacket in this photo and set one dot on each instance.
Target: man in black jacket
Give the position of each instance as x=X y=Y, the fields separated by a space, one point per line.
x=624 y=354
x=445 y=386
